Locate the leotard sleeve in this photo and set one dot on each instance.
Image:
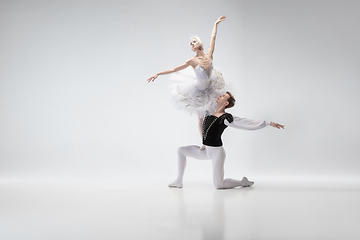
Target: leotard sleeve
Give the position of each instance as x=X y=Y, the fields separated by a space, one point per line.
x=244 y=123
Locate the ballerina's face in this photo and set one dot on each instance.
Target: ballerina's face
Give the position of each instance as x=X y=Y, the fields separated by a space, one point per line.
x=194 y=44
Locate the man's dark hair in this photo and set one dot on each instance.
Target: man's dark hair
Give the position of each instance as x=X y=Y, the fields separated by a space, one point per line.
x=231 y=101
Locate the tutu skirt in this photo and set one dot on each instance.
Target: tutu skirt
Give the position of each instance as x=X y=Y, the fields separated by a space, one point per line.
x=187 y=97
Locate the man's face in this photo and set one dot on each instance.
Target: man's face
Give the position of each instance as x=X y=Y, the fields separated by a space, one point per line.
x=223 y=99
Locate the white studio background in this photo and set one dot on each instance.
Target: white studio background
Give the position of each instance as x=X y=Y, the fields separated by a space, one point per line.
x=74 y=101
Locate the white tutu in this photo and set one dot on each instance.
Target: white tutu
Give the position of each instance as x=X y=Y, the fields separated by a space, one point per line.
x=195 y=91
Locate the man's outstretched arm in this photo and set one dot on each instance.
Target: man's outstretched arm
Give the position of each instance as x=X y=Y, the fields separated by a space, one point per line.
x=248 y=124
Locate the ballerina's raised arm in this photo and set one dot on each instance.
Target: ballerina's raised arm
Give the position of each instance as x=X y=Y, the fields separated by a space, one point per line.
x=213 y=37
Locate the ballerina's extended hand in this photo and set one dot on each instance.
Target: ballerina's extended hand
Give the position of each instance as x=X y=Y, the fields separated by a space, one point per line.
x=152 y=78
x=222 y=18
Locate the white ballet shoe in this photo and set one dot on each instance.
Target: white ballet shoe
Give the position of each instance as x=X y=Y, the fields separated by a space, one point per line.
x=176 y=185
x=246 y=182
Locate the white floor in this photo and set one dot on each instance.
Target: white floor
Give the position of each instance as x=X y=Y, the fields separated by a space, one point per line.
x=103 y=210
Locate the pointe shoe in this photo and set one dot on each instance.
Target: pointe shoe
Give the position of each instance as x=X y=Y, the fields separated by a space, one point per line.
x=176 y=185
x=246 y=182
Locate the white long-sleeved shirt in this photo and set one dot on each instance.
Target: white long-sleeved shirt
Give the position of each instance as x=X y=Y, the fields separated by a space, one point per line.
x=246 y=124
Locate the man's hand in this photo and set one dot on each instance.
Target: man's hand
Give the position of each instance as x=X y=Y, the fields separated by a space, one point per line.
x=277 y=125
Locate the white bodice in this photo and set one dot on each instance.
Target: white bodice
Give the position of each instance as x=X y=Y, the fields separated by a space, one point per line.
x=202 y=76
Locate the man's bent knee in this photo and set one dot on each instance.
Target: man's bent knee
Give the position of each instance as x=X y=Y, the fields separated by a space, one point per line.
x=219 y=185
x=181 y=150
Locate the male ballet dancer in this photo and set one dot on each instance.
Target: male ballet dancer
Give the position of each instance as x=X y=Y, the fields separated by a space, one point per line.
x=213 y=127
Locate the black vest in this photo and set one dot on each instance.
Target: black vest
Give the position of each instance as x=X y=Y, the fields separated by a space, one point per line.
x=213 y=127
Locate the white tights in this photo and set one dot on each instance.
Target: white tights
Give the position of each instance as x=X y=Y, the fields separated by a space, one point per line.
x=217 y=154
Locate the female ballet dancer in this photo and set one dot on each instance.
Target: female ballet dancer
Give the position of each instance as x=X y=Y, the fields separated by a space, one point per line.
x=199 y=94
x=213 y=127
